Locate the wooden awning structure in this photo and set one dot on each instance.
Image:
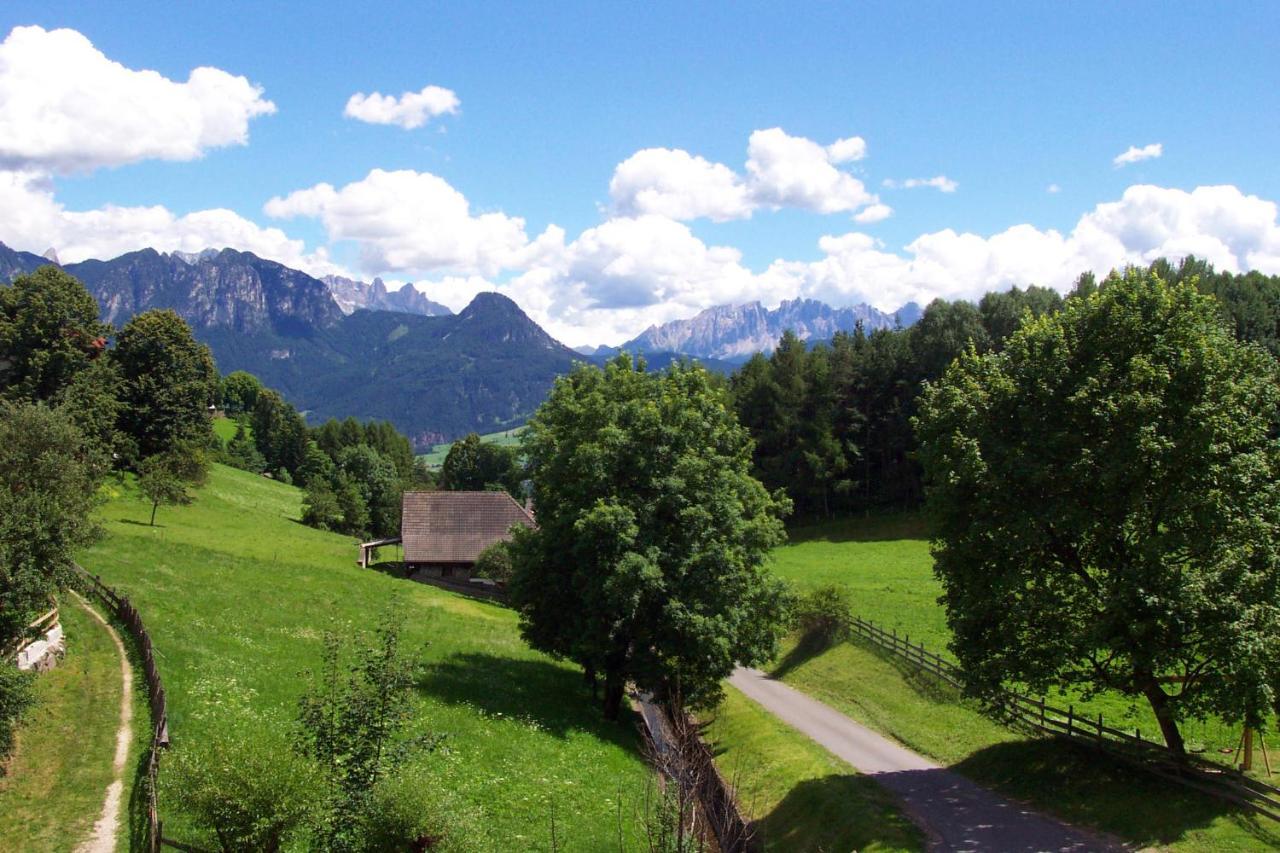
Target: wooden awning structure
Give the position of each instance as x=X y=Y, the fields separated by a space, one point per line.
x=367 y=548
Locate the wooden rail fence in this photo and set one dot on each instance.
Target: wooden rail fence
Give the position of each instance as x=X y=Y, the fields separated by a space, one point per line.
x=128 y=614
x=1034 y=713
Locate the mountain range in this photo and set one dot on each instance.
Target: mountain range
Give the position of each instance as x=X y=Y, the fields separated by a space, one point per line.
x=735 y=332
x=337 y=347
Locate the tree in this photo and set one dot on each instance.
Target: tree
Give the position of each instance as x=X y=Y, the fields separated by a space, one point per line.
x=169 y=381
x=165 y=477
x=320 y=507
x=475 y=466
x=647 y=562
x=1107 y=502
x=279 y=432
x=49 y=332
x=49 y=476
x=494 y=563
x=240 y=391
x=242 y=452
x=379 y=487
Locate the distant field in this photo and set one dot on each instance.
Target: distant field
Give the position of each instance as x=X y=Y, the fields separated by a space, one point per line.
x=237 y=596
x=506 y=438
x=885 y=564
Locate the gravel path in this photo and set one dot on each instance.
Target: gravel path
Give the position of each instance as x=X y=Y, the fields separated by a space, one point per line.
x=955 y=813
x=103 y=839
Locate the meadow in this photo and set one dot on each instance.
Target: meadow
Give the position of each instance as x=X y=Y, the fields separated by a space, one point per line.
x=884 y=563
x=505 y=438
x=238 y=595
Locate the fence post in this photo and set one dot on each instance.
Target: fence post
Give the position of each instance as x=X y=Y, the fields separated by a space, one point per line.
x=1099 y=728
x=1071 y=713
x=1042 y=712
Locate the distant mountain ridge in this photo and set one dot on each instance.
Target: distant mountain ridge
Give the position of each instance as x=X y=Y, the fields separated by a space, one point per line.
x=735 y=332
x=352 y=295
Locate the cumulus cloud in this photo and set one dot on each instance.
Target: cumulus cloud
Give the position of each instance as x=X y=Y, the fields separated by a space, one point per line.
x=410 y=221
x=32 y=219
x=781 y=171
x=1137 y=155
x=875 y=213
x=1053 y=189
x=65 y=107
x=675 y=183
x=410 y=110
x=940 y=182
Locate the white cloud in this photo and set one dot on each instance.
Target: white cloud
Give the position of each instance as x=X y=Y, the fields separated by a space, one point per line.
x=1053 y=189
x=65 y=107
x=791 y=171
x=410 y=221
x=32 y=219
x=875 y=213
x=781 y=171
x=674 y=183
x=1137 y=155
x=940 y=182
x=410 y=110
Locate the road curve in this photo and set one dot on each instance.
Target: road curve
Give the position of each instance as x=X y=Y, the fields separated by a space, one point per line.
x=955 y=813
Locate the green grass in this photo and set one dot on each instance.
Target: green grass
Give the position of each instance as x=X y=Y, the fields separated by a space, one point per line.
x=800 y=796
x=62 y=766
x=884 y=563
x=225 y=429
x=237 y=596
x=505 y=438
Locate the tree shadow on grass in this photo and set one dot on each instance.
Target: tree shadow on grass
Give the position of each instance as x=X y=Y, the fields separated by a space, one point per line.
x=1089 y=788
x=139 y=523
x=554 y=697
x=809 y=647
x=837 y=812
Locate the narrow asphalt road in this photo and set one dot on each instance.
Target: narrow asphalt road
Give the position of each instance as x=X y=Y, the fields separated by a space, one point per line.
x=955 y=813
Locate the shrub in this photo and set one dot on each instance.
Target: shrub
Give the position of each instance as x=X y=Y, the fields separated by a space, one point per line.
x=494 y=563
x=16 y=697
x=824 y=615
x=245 y=784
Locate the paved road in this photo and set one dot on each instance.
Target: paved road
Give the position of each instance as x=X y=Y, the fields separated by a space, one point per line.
x=955 y=813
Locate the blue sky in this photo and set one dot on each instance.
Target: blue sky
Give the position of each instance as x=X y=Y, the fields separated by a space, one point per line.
x=996 y=102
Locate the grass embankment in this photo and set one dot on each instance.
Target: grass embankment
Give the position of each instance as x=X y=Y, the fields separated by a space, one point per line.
x=60 y=770
x=505 y=438
x=884 y=563
x=237 y=596
x=801 y=796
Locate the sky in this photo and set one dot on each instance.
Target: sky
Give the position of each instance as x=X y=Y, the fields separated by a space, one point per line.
x=612 y=166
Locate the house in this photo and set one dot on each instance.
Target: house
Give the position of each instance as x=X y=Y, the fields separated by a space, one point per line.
x=444 y=532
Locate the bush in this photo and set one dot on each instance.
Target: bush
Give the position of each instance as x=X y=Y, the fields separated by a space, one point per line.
x=494 y=563
x=16 y=697
x=411 y=811
x=824 y=615
x=245 y=784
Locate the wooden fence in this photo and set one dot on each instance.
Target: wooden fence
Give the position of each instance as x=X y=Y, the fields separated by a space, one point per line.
x=1037 y=715
x=132 y=620
x=30 y=634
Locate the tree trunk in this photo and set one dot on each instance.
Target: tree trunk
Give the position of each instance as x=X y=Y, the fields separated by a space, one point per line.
x=589 y=677
x=1164 y=716
x=153 y=512
x=613 y=692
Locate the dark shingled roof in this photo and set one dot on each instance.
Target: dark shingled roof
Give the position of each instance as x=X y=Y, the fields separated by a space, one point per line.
x=454 y=527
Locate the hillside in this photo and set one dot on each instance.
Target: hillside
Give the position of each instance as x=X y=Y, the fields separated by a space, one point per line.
x=237 y=596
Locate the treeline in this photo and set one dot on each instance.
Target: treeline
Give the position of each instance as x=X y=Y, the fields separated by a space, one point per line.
x=832 y=421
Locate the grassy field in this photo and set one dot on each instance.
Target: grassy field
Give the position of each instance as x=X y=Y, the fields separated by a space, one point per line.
x=802 y=797
x=506 y=438
x=62 y=766
x=884 y=563
x=237 y=596
x=225 y=428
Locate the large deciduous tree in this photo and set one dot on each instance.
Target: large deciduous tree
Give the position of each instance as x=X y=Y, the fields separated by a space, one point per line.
x=49 y=332
x=168 y=383
x=475 y=466
x=648 y=561
x=1107 y=502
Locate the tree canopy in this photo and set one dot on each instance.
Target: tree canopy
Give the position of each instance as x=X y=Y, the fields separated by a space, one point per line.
x=168 y=382
x=475 y=466
x=647 y=562
x=49 y=332
x=1106 y=495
